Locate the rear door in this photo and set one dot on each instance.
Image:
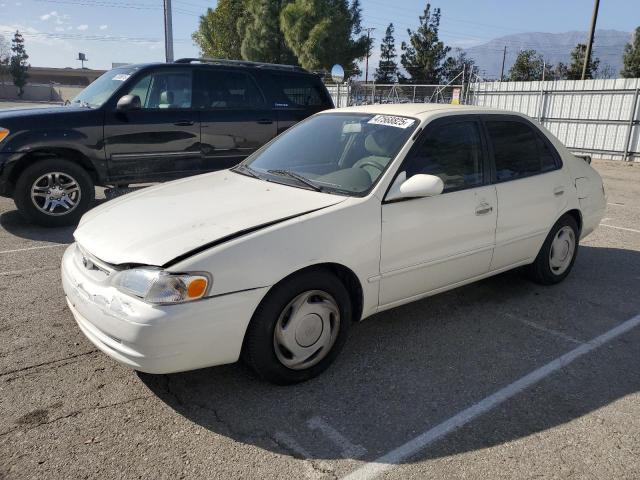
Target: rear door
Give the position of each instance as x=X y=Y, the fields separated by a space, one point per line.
x=530 y=185
x=235 y=117
x=162 y=139
x=297 y=96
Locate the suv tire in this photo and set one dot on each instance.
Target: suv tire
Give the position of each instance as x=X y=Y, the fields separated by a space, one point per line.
x=54 y=192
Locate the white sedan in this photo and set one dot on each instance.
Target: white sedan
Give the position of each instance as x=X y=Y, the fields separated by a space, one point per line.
x=349 y=213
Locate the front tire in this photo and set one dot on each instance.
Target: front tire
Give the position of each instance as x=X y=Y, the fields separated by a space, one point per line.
x=558 y=253
x=299 y=328
x=54 y=192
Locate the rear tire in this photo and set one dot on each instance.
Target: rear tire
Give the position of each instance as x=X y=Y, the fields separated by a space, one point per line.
x=54 y=192
x=558 y=253
x=299 y=328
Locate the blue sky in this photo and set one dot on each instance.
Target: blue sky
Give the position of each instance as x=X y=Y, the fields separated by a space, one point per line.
x=132 y=30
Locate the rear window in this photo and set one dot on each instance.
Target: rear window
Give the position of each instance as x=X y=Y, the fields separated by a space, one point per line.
x=301 y=90
x=226 y=89
x=518 y=150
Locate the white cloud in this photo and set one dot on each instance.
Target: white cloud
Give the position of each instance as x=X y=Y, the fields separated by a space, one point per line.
x=83 y=27
x=45 y=17
x=59 y=29
x=103 y=27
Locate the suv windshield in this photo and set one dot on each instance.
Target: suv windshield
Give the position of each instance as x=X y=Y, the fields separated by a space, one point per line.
x=335 y=152
x=98 y=92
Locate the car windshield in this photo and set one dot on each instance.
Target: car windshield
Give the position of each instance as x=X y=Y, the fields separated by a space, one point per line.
x=98 y=92
x=333 y=152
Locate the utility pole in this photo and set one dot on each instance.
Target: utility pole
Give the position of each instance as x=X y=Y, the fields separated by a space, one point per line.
x=587 y=56
x=504 y=56
x=366 y=68
x=168 y=32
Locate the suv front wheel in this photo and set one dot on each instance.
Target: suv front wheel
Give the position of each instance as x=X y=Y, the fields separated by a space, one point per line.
x=54 y=192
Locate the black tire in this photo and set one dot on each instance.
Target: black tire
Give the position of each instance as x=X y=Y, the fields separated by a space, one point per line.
x=259 y=350
x=541 y=271
x=29 y=209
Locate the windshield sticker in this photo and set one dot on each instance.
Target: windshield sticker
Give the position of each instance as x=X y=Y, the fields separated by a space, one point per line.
x=121 y=77
x=392 y=121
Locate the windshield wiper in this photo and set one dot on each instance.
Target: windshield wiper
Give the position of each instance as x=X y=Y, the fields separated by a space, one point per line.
x=296 y=176
x=243 y=169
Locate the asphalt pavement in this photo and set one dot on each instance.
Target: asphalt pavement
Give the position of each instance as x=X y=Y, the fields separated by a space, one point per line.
x=499 y=379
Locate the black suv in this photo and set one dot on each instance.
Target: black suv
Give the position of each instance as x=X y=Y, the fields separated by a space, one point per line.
x=147 y=123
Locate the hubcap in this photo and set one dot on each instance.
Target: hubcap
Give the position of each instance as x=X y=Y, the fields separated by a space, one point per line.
x=306 y=329
x=55 y=193
x=563 y=248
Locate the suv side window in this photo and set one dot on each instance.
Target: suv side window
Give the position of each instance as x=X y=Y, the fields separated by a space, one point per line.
x=519 y=151
x=225 y=89
x=451 y=151
x=164 y=89
x=300 y=90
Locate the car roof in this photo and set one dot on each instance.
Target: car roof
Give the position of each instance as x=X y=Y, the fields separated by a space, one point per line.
x=419 y=110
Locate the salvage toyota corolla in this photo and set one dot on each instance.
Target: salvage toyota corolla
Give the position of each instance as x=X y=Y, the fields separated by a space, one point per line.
x=351 y=212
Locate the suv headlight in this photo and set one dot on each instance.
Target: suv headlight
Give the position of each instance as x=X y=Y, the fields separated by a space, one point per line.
x=4 y=133
x=160 y=287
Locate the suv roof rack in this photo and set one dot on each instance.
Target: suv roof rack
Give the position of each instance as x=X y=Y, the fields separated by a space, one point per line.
x=240 y=63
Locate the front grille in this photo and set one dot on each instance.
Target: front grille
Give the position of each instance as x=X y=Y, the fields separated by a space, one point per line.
x=92 y=263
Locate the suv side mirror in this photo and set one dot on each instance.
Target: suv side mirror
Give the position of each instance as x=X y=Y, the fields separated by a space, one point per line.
x=419 y=185
x=128 y=103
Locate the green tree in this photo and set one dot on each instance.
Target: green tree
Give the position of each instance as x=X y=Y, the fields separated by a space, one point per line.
x=262 y=37
x=5 y=55
x=574 y=70
x=527 y=67
x=422 y=58
x=454 y=66
x=18 y=65
x=387 y=71
x=217 y=35
x=631 y=58
x=322 y=33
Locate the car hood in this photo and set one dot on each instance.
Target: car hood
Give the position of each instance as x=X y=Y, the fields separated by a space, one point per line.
x=159 y=224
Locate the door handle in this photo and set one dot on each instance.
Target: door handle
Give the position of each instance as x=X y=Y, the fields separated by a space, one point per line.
x=484 y=209
x=558 y=191
x=265 y=121
x=184 y=123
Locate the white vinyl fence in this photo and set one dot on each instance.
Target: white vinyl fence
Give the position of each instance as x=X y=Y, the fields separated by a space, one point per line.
x=597 y=117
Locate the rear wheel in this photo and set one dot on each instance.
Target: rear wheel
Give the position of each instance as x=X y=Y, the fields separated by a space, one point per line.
x=558 y=253
x=299 y=328
x=54 y=192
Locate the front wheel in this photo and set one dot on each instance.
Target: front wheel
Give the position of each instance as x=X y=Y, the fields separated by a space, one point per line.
x=558 y=253
x=299 y=328
x=54 y=192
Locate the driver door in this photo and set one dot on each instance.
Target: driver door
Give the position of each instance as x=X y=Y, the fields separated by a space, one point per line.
x=161 y=140
x=432 y=243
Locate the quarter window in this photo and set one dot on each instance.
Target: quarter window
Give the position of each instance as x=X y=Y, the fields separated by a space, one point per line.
x=452 y=152
x=518 y=150
x=301 y=90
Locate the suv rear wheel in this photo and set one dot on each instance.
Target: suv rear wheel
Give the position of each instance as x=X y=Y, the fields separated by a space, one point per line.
x=54 y=192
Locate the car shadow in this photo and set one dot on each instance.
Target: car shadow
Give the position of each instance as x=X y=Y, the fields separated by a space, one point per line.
x=406 y=370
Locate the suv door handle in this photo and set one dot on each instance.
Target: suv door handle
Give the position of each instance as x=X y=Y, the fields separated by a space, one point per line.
x=483 y=209
x=558 y=191
x=265 y=121
x=184 y=123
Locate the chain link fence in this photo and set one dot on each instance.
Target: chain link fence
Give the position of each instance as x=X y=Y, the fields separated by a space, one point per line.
x=358 y=93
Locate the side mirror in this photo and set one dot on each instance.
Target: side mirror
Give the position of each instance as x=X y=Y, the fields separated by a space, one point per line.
x=419 y=185
x=128 y=103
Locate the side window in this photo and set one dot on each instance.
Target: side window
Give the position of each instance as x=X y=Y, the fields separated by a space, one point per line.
x=451 y=151
x=518 y=150
x=300 y=90
x=164 y=90
x=220 y=89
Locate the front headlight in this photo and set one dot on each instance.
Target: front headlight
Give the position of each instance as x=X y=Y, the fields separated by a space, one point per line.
x=4 y=133
x=160 y=287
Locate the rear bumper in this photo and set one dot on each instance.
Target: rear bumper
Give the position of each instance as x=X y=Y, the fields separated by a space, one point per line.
x=157 y=339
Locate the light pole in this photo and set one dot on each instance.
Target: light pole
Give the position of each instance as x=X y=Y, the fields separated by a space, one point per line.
x=587 y=55
x=168 y=32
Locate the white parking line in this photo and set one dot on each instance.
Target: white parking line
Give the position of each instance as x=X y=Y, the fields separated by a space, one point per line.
x=550 y=331
x=620 y=228
x=347 y=448
x=35 y=248
x=27 y=270
x=411 y=448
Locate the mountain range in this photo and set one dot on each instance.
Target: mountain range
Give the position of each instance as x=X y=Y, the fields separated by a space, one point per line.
x=608 y=46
